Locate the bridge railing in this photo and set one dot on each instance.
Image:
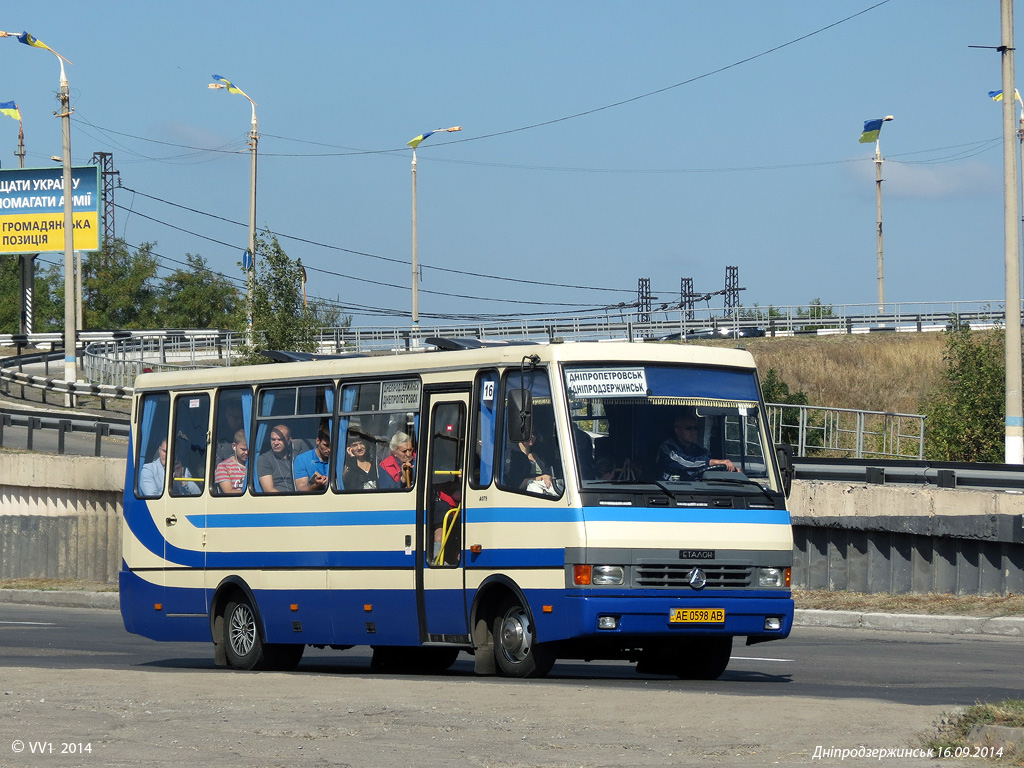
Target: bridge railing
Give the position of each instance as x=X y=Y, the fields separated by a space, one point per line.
x=847 y=433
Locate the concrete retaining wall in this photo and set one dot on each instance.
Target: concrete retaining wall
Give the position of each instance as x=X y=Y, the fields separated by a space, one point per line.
x=897 y=539
x=60 y=518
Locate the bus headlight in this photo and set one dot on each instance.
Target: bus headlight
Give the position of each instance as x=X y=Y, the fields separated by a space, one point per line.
x=608 y=574
x=773 y=577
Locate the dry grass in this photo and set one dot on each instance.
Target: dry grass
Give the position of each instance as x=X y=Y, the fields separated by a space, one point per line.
x=58 y=585
x=874 y=371
x=934 y=604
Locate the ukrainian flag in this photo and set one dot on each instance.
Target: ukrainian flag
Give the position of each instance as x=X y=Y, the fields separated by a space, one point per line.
x=871 y=129
x=232 y=88
x=998 y=95
x=10 y=109
x=419 y=139
x=35 y=42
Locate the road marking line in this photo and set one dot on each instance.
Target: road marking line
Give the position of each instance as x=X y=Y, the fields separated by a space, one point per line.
x=31 y=623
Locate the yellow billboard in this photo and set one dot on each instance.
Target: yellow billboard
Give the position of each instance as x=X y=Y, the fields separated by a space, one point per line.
x=32 y=209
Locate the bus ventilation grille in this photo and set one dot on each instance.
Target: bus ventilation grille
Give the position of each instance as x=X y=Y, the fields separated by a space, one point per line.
x=675 y=575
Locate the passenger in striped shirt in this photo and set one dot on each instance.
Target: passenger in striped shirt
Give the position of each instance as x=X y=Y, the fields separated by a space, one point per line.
x=230 y=473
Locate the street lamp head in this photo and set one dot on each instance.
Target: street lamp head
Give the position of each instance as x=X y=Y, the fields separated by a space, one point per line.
x=57 y=158
x=888 y=117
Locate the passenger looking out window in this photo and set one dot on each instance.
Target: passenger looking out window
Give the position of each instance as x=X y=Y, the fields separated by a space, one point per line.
x=275 y=466
x=230 y=473
x=397 y=470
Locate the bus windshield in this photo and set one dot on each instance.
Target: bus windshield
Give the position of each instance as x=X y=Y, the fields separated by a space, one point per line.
x=666 y=424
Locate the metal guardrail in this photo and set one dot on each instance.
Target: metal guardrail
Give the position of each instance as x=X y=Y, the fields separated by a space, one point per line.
x=845 y=432
x=939 y=474
x=63 y=426
x=10 y=377
x=119 y=360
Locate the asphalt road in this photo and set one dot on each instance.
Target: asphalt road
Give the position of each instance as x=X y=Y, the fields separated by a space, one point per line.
x=908 y=668
x=80 y=691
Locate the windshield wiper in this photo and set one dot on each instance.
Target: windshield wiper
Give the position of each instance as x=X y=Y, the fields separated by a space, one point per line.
x=736 y=478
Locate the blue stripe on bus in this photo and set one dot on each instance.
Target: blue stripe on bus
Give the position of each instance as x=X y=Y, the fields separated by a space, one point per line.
x=302 y=519
x=687 y=515
x=515 y=558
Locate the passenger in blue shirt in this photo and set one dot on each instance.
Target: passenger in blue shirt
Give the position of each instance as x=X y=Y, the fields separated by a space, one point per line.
x=311 y=467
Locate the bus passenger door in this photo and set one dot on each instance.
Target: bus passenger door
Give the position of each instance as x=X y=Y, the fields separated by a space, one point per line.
x=441 y=582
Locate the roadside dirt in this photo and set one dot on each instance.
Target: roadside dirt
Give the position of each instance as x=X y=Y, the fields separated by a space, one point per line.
x=150 y=719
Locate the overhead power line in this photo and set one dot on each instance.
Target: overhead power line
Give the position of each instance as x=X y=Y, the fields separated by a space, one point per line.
x=307 y=241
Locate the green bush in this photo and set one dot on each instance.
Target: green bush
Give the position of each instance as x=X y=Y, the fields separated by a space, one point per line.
x=966 y=412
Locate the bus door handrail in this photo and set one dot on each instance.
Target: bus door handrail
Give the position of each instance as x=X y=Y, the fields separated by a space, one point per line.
x=447 y=525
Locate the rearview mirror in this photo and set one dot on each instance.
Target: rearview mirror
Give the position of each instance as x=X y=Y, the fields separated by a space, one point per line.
x=784 y=457
x=519 y=415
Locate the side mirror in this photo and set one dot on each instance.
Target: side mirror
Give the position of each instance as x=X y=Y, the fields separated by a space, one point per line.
x=784 y=458
x=519 y=415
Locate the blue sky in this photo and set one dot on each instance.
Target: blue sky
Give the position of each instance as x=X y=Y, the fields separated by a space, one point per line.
x=750 y=160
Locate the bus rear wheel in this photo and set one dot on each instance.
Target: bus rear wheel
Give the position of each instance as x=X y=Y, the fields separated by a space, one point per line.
x=516 y=650
x=242 y=642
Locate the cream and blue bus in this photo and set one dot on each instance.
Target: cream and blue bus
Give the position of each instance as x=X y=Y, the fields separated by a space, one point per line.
x=520 y=502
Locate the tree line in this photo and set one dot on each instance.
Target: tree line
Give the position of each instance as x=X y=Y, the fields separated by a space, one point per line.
x=121 y=290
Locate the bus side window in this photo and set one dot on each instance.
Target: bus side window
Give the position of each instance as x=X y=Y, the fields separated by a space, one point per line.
x=482 y=464
x=377 y=428
x=152 y=445
x=187 y=459
x=534 y=465
x=231 y=436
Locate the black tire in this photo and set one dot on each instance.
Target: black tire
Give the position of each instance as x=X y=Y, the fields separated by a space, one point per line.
x=242 y=642
x=699 y=658
x=516 y=650
x=282 y=657
x=412 y=661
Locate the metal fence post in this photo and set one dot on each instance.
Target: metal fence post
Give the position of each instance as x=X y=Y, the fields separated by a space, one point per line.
x=102 y=430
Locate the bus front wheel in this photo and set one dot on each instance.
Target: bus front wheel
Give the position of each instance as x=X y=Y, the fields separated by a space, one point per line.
x=516 y=650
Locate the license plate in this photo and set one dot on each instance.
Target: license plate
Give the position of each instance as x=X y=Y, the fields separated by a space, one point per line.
x=697 y=616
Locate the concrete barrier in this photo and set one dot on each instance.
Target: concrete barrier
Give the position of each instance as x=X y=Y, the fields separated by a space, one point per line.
x=60 y=518
x=907 y=539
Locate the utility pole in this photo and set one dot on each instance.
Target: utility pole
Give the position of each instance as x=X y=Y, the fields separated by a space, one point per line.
x=1014 y=434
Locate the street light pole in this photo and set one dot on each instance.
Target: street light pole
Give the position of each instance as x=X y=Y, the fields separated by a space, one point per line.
x=872 y=132
x=1014 y=425
x=414 y=333
x=26 y=261
x=253 y=141
x=878 y=209
x=64 y=96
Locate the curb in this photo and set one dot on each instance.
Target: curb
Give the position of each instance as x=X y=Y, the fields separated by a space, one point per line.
x=1002 y=626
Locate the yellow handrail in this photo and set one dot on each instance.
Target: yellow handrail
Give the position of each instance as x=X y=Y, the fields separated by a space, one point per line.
x=447 y=525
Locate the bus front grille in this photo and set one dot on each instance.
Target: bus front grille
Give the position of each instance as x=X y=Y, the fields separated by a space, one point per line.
x=676 y=575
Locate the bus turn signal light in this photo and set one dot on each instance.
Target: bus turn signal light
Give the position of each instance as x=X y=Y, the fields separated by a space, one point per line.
x=581 y=575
